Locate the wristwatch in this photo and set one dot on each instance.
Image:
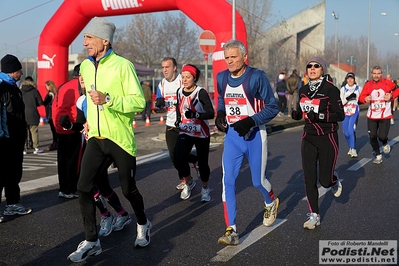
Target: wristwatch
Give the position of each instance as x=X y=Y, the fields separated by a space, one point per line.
x=107 y=98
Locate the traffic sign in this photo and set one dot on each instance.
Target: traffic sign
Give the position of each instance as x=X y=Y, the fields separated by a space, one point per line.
x=207 y=42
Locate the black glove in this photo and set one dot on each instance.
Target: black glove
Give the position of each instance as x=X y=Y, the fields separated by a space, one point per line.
x=296 y=115
x=243 y=126
x=65 y=122
x=191 y=114
x=160 y=102
x=351 y=97
x=312 y=116
x=221 y=122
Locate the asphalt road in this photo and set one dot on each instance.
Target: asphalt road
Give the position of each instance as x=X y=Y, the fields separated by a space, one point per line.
x=186 y=232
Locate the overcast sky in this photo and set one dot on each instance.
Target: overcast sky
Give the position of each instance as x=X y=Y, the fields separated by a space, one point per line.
x=20 y=32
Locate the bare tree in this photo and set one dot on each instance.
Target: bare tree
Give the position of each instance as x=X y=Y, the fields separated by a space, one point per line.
x=254 y=13
x=350 y=46
x=178 y=40
x=147 y=39
x=138 y=41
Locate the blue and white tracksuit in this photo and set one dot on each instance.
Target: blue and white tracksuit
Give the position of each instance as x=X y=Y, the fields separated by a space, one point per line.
x=351 y=109
x=248 y=95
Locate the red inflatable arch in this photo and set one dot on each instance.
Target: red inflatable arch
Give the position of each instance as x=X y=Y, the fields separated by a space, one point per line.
x=73 y=15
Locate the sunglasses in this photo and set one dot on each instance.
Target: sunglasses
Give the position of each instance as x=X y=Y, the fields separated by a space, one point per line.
x=313 y=65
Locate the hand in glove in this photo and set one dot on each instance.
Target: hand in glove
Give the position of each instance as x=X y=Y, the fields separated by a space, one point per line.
x=191 y=114
x=160 y=102
x=312 y=116
x=296 y=115
x=221 y=122
x=351 y=97
x=65 y=122
x=177 y=123
x=243 y=126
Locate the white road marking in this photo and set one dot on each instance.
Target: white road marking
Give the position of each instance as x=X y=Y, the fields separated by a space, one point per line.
x=230 y=251
x=31 y=185
x=359 y=164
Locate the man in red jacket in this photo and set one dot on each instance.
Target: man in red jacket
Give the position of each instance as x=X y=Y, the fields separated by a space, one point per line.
x=378 y=93
x=69 y=149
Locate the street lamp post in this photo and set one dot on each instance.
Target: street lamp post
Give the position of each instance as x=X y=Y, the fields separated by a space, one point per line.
x=233 y=16
x=368 y=43
x=335 y=16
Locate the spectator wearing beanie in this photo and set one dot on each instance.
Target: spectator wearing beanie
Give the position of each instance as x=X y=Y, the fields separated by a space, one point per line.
x=114 y=95
x=12 y=140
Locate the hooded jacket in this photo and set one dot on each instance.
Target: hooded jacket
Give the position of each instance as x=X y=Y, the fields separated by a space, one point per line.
x=115 y=76
x=11 y=99
x=32 y=100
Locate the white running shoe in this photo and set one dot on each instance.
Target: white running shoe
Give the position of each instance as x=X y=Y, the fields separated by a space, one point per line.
x=121 y=221
x=270 y=214
x=17 y=208
x=312 y=221
x=180 y=186
x=106 y=225
x=386 y=148
x=336 y=189
x=230 y=237
x=186 y=192
x=85 y=250
x=378 y=159
x=353 y=153
x=37 y=151
x=205 y=194
x=143 y=235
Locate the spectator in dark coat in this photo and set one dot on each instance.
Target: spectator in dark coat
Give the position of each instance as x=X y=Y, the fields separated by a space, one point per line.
x=12 y=145
x=281 y=89
x=32 y=100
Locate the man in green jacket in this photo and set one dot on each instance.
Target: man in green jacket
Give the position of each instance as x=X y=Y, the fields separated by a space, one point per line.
x=114 y=95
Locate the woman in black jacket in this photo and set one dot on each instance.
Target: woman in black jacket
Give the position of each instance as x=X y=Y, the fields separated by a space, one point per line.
x=321 y=107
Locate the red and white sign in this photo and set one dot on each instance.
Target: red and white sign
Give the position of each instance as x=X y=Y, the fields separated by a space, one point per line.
x=207 y=42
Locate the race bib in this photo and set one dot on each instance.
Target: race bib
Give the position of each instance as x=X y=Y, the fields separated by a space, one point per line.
x=190 y=127
x=170 y=101
x=350 y=109
x=308 y=105
x=377 y=105
x=236 y=109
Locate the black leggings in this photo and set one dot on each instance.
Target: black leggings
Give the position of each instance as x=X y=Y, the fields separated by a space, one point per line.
x=282 y=103
x=99 y=155
x=171 y=135
x=378 y=129
x=183 y=147
x=321 y=150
